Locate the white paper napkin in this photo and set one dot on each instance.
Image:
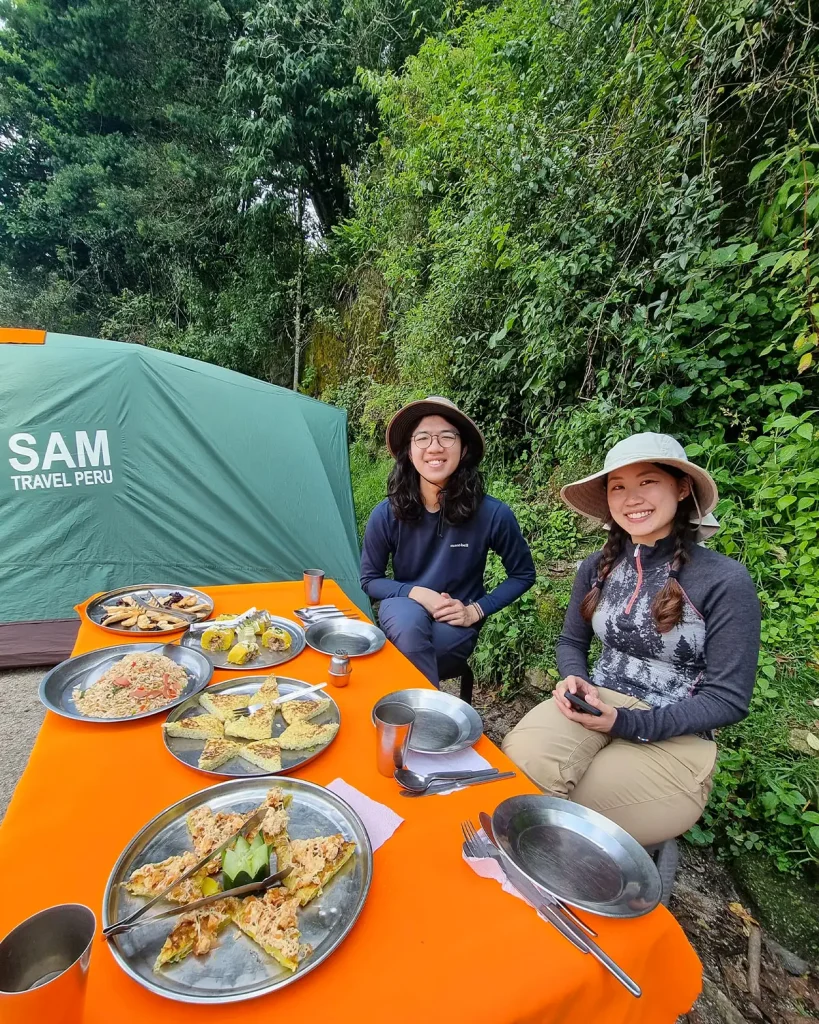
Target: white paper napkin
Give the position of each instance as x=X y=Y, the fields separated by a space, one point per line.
x=379 y=820
x=488 y=867
x=458 y=761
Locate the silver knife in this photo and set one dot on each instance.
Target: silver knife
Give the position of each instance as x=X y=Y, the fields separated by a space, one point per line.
x=566 y=927
x=254 y=819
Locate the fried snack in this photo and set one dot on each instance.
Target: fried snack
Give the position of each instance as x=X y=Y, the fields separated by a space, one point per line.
x=221 y=704
x=216 y=639
x=257 y=726
x=196 y=932
x=243 y=652
x=197 y=727
x=302 y=735
x=314 y=863
x=302 y=710
x=265 y=754
x=272 y=922
x=277 y=639
x=151 y=879
x=216 y=752
x=267 y=692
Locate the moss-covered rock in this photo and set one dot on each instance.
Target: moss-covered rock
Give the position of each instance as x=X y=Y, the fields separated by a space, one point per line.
x=787 y=905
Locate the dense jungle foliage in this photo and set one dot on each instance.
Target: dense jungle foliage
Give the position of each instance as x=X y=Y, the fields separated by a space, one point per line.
x=577 y=218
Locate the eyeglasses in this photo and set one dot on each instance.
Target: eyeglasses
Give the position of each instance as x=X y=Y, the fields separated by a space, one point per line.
x=446 y=439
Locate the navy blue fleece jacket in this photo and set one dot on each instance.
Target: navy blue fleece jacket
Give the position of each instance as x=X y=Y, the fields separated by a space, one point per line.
x=449 y=559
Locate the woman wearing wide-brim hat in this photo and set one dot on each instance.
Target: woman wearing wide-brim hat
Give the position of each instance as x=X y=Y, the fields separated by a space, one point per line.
x=679 y=626
x=437 y=526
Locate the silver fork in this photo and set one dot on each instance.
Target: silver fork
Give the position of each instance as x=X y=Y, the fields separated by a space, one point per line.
x=478 y=847
x=252 y=708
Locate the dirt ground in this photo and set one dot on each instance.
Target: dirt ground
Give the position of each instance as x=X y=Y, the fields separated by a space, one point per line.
x=778 y=987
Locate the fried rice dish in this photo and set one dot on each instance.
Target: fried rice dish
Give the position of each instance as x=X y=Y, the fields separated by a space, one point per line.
x=138 y=683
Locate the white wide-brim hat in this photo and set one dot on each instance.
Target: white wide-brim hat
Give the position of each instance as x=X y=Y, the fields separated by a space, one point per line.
x=588 y=496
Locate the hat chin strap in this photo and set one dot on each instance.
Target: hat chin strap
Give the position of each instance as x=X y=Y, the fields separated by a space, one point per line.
x=696 y=503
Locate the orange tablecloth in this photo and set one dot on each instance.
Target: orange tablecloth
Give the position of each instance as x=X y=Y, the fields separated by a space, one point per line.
x=434 y=942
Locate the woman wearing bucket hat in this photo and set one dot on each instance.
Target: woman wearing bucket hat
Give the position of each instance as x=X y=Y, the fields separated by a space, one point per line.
x=438 y=526
x=679 y=626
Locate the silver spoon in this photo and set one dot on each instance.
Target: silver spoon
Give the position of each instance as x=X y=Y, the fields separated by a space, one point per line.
x=416 y=783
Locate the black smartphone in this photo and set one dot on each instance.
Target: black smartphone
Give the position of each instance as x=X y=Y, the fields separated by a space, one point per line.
x=580 y=705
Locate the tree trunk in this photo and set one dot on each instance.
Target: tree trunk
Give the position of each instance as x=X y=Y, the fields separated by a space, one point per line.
x=299 y=282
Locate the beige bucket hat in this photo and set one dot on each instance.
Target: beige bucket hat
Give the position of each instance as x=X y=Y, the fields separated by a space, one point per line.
x=588 y=496
x=400 y=426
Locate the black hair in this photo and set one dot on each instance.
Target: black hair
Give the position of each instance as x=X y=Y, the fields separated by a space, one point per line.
x=459 y=499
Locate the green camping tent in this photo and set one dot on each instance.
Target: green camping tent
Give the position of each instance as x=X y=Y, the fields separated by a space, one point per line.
x=122 y=464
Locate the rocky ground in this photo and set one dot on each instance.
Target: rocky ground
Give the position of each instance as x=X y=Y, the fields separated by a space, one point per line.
x=748 y=976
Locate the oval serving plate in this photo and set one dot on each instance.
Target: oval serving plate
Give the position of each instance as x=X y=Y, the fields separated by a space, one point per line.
x=443 y=723
x=264 y=659
x=578 y=855
x=187 y=751
x=83 y=670
x=96 y=613
x=238 y=969
x=340 y=635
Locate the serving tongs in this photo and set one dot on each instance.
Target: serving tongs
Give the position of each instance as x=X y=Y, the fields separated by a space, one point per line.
x=129 y=922
x=252 y=613
x=172 y=613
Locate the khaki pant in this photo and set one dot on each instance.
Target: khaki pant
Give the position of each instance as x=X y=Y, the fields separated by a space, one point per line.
x=655 y=791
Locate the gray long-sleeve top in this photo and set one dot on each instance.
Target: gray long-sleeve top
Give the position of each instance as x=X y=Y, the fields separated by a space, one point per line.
x=699 y=676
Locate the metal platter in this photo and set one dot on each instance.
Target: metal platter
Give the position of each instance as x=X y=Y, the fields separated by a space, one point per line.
x=443 y=723
x=578 y=855
x=84 y=670
x=345 y=636
x=96 y=613
x=264 y=659
x=187 y=751
x=238 y=969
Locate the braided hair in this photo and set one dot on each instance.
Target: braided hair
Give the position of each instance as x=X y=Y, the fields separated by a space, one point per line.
x=667 y=607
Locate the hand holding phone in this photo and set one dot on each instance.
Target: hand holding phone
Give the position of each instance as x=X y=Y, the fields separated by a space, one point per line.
x=581 y=705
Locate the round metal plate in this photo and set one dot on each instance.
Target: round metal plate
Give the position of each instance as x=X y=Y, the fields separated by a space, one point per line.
x=345 y=636
x=443 y=723
x=578 y=855
x=96 y=613
x=237 y=968
x=188 y=751
x=264 y=659
x=85 y=669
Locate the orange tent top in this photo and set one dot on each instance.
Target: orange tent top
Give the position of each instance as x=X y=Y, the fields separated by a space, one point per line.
x=21 y=336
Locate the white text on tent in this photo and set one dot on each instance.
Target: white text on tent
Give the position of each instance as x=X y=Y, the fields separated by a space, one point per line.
x=85 y=454
x=38 y=481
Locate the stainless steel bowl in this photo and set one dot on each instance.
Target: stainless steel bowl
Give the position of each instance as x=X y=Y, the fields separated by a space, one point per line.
x=345 y=636
x=578 y=855
x=443 y=723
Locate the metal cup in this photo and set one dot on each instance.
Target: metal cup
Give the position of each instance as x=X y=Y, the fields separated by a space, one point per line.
x=313 y=580
x=393 y=725
x=44 y=966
